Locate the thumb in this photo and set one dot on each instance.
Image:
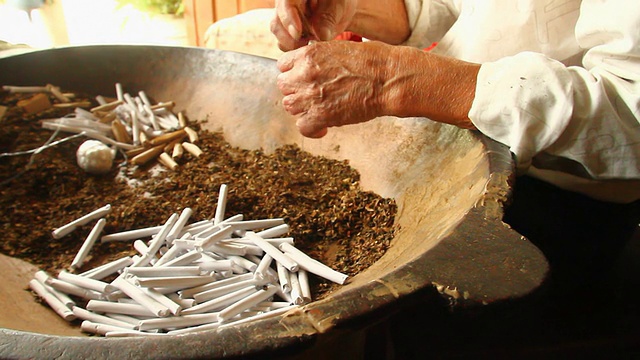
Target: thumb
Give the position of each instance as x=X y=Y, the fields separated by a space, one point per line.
x=325 y=20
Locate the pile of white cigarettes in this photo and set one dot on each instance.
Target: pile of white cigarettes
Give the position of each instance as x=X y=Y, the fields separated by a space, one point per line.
x=187 y=277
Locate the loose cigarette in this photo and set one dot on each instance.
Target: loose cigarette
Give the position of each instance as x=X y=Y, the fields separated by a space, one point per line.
x=265 y=315
x=283 y=277
x=68 y=228
x=185 y=303
x=178 y=321
x=88 y=244
x=184 y=294
x=185 y=259
x=255 y=224
x=118 y=308
x=130 y=333
x=167 y=105
x=179 y=224
x=177 y=281
x=215 y=265
x=296 y=290
x=182 y=120
x=35 y=104
x=192 y=134
x=25 y=89
x=164 y=271
x=75 y=290
x=135 y=128
x=97 y=318
x=157 y=241
x=274 y=231
x=222 y=204
x=223 y=290
x=147 y=155
x=262 y=270
x=87 y=283
x=168 y=137
x=305 y=290
x=79 y=104
x=119 y=92
x=206 y=242
x=205 y=327
x=158 y=296
x=107 y=269
x=312 y=265
x=97 y=328
x=276 y=254
x=58 y=306
x=131 y=234
x=168 y=162
x=246 y=303
x=120 y=133
x=220 y=302
x=171 y=254
x=107 y=106
x=141 y=297
x=58 y=94
x=192 y=149
x=177 y=151
x=243 y=262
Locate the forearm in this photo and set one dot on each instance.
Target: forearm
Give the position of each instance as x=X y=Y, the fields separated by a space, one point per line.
x=427 y=85
x=382 y=20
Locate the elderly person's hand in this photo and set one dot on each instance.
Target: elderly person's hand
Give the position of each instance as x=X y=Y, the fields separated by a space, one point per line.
x=337 y=83
x=326 y=18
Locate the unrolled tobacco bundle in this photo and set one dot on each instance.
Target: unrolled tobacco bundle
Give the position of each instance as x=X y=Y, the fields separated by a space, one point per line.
x=204 y=275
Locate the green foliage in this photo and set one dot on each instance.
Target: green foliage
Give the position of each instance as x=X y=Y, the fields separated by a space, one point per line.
x=156 y=6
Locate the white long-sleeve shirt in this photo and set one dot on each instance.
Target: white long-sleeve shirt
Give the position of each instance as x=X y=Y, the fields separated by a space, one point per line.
x=559 y=83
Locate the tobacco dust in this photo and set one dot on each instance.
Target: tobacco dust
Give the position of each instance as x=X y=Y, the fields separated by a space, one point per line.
x=331 y=218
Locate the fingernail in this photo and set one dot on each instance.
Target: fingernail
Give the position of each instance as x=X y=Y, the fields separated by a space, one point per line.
x=293 y=32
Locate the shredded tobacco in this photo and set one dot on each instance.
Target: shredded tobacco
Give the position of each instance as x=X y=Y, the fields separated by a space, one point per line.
x=331 y=218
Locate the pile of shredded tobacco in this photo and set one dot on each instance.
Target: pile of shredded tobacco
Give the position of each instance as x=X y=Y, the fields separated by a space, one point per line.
x=331 y=218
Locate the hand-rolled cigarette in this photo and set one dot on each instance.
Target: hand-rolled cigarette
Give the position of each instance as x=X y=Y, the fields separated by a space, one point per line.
x=223 y=290
x=192 y=134
x=97 y=328
x=171 y=254
x=86 y=283
x=25 y=89
x=220 y=302
x=177 y=322
x=193 y=329
x=222 y=204
x=276 y=254
x=58 y=306
x=68 y=228
x=215 y=265
x=118 y=308
x=107 y=106
x=192 y=149
x=274 y=231
x=157 y=241
x=167 y=161
x=135 y=127
x=158 y=296
x=35 y=104
x=131 y=234
x=265 y=315
x=296 y=290
x=163 y=271
x=79 y=104
x=185 y=259
x=262 y=270
x=305 y=290
x=283 y=277
x=173 y=281
x=107 y=269
x=147 y=155
x=130 y=333
x=75 y=290
x=182 y=120
x=243 y=262
x=246 y=303
x=177 y=151
x=120 y=132
x=255 y=224
x=168 y=137
x=313 y=266
x=167 y=105
x=97 y=318
x=213 y=238
x=188 y=293
x=55 y=91
x=141 y=297
x=88 y=244
x=42 y=277
x=175 y=230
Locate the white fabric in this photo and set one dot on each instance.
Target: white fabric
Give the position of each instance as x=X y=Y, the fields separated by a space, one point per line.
x=559 y=84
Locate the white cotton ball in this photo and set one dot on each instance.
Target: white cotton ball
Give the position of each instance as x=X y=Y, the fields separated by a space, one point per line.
x=95 y=157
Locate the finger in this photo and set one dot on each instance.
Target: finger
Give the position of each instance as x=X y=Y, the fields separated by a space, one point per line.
x=308 y=129
x=285 y=41
x=293 y=104
x=287 y=61
x=286 y=11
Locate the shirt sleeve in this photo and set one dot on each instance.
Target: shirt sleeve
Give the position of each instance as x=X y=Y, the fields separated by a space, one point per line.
x=429 y=20
x=584 y=121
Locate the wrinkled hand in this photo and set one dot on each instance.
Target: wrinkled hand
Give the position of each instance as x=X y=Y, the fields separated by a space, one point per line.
x=327 y=19
x=333 y=84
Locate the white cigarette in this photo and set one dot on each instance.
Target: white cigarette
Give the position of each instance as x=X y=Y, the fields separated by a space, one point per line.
x=167 y=161
x=184 y=303
x=283 y=277
x=42 y=277
x=130 y=333
x=274 y=231
x=173 y=281
x=107 y=269
x=222 y=204
x=58 y=306
x=131 y=234
x=93 y=317
x=211 y=326
x=118 y=308
x=246 y=303
x=68 y=228
x=157 y=241
x=178 y=321
x=187 y=293
x=87 y=283
x=141 y=297
x=255 y=224
x=185 y=259
x=265 y=315
x=171 y=254
x=72 y=289
x=296 y=290
x=305 y=290
x=223 y=290
x=313 y=266
x=179 y=224
x=88 y=243
x=135 y=128
x=97 y=328
x=220 y=302
x=262 y=270
x=161 y=298
x=25 y=89
x=215 y=265
x=119 y=92
x=196 y=226
x=193 y=135
x=164 y=271
x=205 y=242
x=276 y=254
x=243 y=262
